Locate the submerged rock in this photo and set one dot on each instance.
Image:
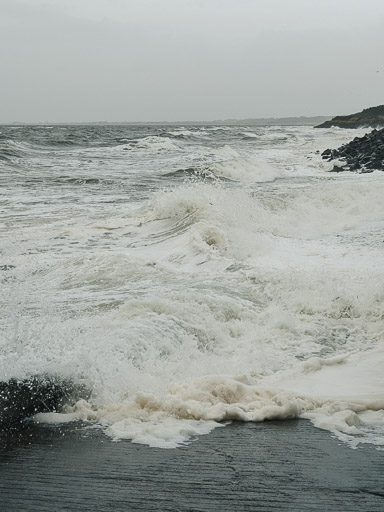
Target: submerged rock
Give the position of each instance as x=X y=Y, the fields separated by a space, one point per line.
x=362 y=154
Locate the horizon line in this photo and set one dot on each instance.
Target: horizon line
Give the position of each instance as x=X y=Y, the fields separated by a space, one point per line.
x=196 y=121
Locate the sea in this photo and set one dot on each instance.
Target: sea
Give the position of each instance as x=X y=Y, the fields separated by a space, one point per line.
x=191 y=276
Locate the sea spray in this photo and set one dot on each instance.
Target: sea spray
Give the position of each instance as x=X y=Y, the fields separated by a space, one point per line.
x=183 y=300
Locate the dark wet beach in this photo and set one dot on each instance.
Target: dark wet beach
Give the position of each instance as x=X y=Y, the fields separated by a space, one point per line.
x=267 y=466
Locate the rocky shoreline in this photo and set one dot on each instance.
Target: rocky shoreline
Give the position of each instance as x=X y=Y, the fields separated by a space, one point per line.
x=370 y=117
x=362 y=155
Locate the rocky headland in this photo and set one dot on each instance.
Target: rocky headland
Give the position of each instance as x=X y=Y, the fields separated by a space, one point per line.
x=372 y=117
x=362 y=154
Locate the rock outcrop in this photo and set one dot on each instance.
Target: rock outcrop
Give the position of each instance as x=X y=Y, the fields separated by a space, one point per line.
x=362 y=154
x=20 y=399
x=369 y=117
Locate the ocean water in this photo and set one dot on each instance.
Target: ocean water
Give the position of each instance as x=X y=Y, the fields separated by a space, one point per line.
x=189 y=276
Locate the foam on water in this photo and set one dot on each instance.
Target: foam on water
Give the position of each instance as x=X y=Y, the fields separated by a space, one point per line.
x=245 y=169
x=324 y=391
x=152 y=143
x=198 y=302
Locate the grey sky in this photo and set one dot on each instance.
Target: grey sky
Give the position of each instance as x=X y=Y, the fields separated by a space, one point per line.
x=116 y=60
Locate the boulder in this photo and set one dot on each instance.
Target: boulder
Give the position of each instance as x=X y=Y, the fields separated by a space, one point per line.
x=362 y=154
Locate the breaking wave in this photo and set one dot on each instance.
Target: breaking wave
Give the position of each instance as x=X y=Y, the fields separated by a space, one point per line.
x=195 y=280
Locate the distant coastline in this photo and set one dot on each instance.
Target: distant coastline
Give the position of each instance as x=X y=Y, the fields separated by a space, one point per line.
x=263 y=121
x=372 y=117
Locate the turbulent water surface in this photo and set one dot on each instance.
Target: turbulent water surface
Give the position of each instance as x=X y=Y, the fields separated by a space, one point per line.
x=189 y=276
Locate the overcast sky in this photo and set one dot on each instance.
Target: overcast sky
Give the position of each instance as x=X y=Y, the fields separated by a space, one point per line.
x=140 y=60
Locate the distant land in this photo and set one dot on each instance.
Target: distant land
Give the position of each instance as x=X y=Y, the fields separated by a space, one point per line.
x=274 y=121
x=265 y=121
x=369 y=117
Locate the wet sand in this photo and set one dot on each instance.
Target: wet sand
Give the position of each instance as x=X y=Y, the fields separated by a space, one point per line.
x=287 y=465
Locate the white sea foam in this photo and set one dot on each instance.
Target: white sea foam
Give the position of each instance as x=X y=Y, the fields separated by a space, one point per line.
x=251 y=135
x=184 y=305
x=181 y=133
x=340 y=394
x=225 y=152
x=246 y=170
x=150 y=143
x=219 y=128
